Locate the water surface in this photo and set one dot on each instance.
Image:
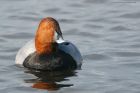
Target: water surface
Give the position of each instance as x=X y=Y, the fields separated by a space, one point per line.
x=107 y=32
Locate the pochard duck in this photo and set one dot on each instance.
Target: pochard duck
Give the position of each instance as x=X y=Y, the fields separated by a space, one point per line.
x=49 y=51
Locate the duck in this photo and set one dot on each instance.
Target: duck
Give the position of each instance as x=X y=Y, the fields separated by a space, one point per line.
x=48 y=50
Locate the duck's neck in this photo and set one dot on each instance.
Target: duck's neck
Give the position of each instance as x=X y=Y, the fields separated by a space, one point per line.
x=44 y=40
x=47 y=49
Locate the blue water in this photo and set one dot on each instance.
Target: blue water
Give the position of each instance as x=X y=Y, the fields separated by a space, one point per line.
x=107 y=32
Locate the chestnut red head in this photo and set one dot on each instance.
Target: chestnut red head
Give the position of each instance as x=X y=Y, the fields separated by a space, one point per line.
x=46 y=35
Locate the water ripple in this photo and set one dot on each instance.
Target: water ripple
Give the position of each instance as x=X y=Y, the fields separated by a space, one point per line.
x=76 y=5
x=7 y=57
x=93 y=26
x=125 y=54
x=135 y=46
x=84 y=34
x=52 y=10
x=96 y=1
x=2 y=40
x=120 y=28
x=67 y=21
x=131 y=64
x=21 y=35
x=131 y=15
x=28 y=18
x=9 y=50
x=96 y=57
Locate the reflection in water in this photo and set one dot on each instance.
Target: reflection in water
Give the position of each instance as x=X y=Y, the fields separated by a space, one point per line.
x=47 y=80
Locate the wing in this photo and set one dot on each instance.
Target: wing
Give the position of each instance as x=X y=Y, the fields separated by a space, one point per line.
x=25 y=51
x=72 y=50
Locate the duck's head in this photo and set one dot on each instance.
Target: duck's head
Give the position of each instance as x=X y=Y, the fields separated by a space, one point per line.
x=47 y=33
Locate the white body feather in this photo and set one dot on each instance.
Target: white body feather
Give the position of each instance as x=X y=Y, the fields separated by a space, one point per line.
x=24 y=52
x=29 y=48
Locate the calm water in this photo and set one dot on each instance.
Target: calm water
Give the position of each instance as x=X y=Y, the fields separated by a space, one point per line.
x=107 y=32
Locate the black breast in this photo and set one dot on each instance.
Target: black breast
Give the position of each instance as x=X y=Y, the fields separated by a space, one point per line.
x=55 y=61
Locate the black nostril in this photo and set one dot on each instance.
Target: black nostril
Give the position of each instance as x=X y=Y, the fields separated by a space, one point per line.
x=66 y=43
